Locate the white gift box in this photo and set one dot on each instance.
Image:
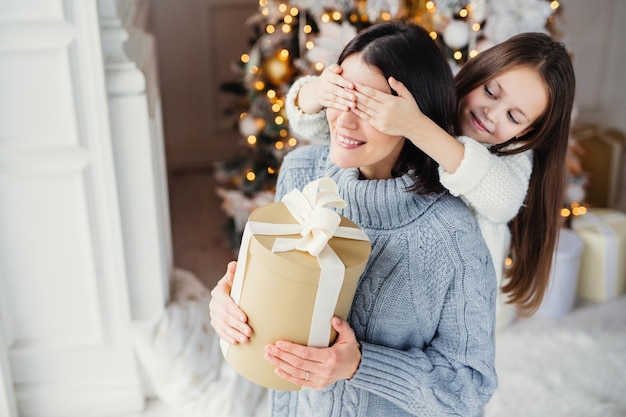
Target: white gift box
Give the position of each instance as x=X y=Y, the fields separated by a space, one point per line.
x=603 y=262
x=560 y=295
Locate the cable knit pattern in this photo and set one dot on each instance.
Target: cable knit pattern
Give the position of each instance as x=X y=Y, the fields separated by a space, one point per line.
x=423 y=309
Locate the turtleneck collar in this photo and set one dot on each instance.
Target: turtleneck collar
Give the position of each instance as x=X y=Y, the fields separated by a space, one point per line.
x=378 y=204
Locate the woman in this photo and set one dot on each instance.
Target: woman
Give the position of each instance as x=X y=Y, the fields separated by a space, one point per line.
x=419 y=339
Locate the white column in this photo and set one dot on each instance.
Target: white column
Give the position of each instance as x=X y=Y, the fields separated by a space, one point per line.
x=136 y=133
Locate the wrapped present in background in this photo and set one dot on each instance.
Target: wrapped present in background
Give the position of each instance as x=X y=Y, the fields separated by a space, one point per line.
x=603 y=262
x=603 y=162
x=560 y=296
x=298 y=266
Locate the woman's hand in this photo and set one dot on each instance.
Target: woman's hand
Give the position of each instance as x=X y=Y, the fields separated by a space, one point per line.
x=317 y=367
x=329 y=90
x=228 y=320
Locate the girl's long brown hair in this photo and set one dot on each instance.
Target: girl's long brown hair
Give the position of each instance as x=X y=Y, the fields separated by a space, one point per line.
x=535 y=229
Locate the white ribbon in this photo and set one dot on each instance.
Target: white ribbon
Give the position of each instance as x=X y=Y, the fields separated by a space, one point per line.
x=317 y=225
x=611 y=239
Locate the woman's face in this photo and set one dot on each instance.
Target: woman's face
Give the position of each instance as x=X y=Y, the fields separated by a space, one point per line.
x=354 y=142
x=504 y=107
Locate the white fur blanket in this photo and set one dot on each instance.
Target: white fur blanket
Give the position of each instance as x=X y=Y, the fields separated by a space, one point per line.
x=573 y=366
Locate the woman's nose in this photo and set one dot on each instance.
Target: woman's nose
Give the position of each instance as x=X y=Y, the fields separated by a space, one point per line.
x=348 y=120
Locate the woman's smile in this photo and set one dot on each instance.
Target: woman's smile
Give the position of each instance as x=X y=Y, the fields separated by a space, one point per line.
x=347 y=142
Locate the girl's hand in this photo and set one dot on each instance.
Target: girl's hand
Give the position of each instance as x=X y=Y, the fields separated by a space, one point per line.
x=329 y=90
x=228 y=320
x=392 y=115
x=317 y=367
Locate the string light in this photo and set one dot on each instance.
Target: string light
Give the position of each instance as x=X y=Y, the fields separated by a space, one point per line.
x=250 y=176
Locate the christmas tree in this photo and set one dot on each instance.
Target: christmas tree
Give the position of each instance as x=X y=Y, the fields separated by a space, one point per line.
x=302 y=37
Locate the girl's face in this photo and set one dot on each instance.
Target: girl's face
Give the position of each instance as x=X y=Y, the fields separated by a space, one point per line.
x=354 y=142
x=504 y=107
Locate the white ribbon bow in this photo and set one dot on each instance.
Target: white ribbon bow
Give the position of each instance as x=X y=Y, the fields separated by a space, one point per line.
x=319 y=223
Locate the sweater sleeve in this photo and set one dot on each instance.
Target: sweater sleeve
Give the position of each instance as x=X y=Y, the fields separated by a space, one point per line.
x=311 y=127
x=494 y=186
x=455 y=373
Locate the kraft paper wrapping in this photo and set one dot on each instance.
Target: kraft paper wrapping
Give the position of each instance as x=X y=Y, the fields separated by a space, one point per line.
x=603 y=262
x=602 y=162
x=291 y=295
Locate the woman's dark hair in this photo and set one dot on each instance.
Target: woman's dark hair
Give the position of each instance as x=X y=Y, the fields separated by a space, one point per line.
x=534 y=231
x=406 y=52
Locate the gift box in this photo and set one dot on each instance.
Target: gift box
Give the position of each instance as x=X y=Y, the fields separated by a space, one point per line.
x=560 y=296
x=299 y=264
x=603 y=261
x=602 y=160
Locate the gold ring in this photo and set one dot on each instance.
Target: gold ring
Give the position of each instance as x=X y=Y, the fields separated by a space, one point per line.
x=306 y=378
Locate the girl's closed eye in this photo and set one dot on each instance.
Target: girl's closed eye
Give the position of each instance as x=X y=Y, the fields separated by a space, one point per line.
x=491 y=91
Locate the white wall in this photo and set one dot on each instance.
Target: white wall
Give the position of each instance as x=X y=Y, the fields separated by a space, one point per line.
x=594 y=32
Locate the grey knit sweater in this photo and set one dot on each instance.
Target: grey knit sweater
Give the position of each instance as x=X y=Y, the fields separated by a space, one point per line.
x=424 y=307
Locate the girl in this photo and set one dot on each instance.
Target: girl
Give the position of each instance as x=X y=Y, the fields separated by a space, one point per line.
x=515 y=102
x=419 y=339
